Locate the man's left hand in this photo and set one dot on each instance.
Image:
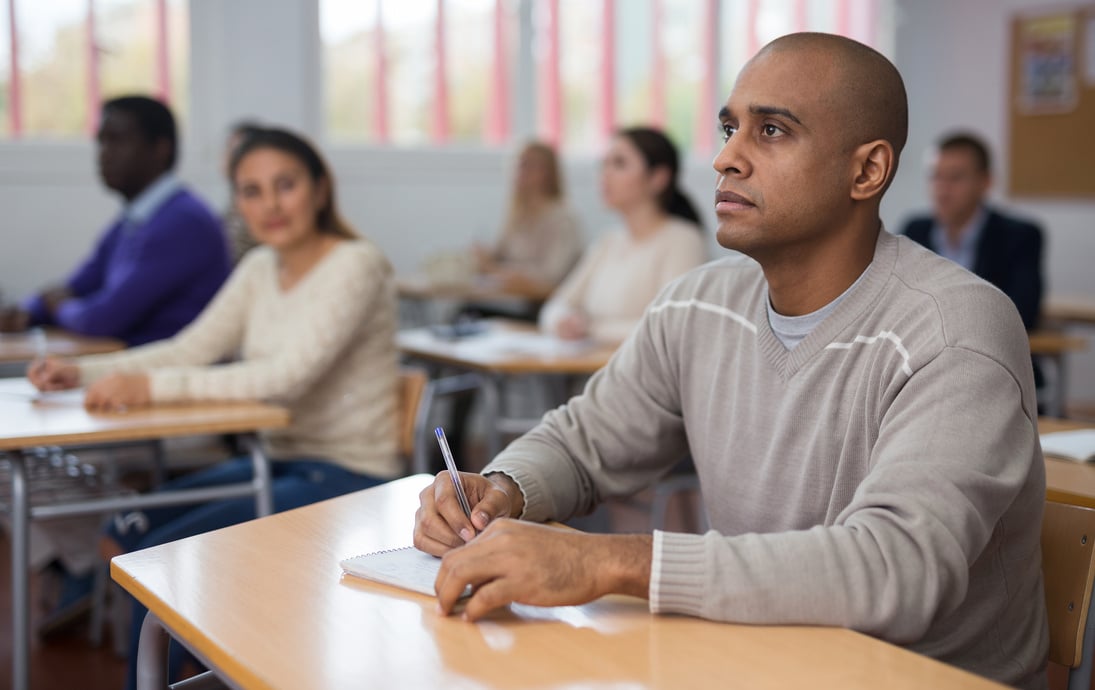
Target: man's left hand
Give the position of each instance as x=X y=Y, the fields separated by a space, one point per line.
x=118 y=392
x=521 y=562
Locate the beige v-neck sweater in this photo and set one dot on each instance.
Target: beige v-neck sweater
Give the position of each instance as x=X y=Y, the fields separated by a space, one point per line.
x=884 y=475
x=325 y=349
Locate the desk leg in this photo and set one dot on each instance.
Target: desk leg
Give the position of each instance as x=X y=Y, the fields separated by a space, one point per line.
x=492 y=406
x=152 y=655
x=1062 y=383
x=264 y=497
x=20 y=595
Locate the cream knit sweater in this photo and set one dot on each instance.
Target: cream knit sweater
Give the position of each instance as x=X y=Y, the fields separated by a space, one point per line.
x=618 y=277
x=325 y=349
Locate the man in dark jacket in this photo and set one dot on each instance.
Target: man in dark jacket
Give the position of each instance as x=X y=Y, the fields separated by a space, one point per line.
x=1005 y=251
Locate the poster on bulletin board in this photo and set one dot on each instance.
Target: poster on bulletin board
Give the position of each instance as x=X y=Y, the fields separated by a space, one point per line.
x=1047 y=82
x=1052 y=104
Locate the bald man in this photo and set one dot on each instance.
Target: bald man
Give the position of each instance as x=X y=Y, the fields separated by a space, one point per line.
x=860 y=411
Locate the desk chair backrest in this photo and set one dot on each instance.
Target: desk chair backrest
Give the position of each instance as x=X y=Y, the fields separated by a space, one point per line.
x=412 y=385
x=1068 y=566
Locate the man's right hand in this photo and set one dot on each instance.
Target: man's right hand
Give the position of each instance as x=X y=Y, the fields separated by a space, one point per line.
x=13 y=320
x=440 y=524
x=53 y=374
x=54 y=297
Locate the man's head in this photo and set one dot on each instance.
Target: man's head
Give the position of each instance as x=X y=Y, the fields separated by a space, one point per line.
x=960 y=178
x=137 y=143
x=814 y=128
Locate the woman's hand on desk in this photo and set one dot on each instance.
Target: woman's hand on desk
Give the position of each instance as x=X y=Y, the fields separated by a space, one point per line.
x=573 y=326
x=118 y=392
x=527 y=563
x=440 y=524
x=53 y=374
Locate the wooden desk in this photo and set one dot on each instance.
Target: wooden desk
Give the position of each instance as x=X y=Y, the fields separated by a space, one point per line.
x=264 y=603
x=17 y=350
x=1055 y=345
x=1078 y=309
x=63 y=421
x=506 y=349
x=478 y=290
x=1067 y=481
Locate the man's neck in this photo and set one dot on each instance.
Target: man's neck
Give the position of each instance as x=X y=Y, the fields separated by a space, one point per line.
x=803 y=282
x=130 y=194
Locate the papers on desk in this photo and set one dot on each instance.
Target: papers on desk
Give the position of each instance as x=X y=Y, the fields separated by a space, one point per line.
x=407 y=567
x=1078 y=445
x=74 y=396
x=504 y=342
x=71 y=397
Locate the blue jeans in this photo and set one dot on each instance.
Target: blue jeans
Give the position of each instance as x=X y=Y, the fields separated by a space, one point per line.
x=294 y=483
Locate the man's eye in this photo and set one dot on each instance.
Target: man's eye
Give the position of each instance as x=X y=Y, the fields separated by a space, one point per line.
x=727 y=132
x=771 y=131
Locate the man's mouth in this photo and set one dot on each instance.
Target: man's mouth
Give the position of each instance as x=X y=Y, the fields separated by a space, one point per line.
x=730 y=201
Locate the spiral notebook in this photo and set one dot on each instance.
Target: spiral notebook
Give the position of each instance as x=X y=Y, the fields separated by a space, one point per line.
x=1077 y=446
x=407 y=567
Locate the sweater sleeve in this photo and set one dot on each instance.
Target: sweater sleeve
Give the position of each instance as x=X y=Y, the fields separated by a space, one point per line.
x=899 y=555
x=344 y=300
x=164 y=260
x=87 y=278
x=215 y=335
x=622 y=434
x=567 y=299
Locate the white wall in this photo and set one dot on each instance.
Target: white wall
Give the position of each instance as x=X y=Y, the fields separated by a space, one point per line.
x=954 y=58
x=256 y=58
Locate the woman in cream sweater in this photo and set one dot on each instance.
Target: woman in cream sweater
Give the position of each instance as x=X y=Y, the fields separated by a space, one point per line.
x=607 y=292
x=307 y=321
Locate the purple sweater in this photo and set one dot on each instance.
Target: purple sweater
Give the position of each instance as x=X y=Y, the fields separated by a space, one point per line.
x=146 y=281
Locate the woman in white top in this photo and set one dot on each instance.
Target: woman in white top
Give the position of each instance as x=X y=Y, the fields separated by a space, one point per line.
x=606 y=294
x=310 y=320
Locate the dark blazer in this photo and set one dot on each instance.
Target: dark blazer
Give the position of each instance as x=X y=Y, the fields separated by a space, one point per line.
x=1009 y=255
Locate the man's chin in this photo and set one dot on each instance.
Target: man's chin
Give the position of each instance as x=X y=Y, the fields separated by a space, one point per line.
x=730 y=238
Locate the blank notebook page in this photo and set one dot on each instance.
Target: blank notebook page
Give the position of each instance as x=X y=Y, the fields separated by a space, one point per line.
x=408 y=568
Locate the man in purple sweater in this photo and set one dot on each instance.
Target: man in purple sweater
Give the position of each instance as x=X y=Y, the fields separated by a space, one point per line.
x=160 y=262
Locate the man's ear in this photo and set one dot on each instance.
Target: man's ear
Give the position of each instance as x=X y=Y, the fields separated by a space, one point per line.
x=161 y=153
x=873 y=166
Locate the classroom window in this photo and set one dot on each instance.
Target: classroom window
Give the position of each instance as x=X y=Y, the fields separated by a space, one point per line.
x=412 y=72
x=63 y=57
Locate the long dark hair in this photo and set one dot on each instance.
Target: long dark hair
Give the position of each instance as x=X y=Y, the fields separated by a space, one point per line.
x=659 y=152
x=328 y=219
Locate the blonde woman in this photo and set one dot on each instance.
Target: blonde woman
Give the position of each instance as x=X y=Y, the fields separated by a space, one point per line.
x=541 y=238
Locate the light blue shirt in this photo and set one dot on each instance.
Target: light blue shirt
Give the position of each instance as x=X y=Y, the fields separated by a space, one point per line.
x=155 y=195
x=965 y=254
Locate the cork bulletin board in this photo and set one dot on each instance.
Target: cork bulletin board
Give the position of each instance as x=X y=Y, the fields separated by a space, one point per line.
x=1052 y=104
